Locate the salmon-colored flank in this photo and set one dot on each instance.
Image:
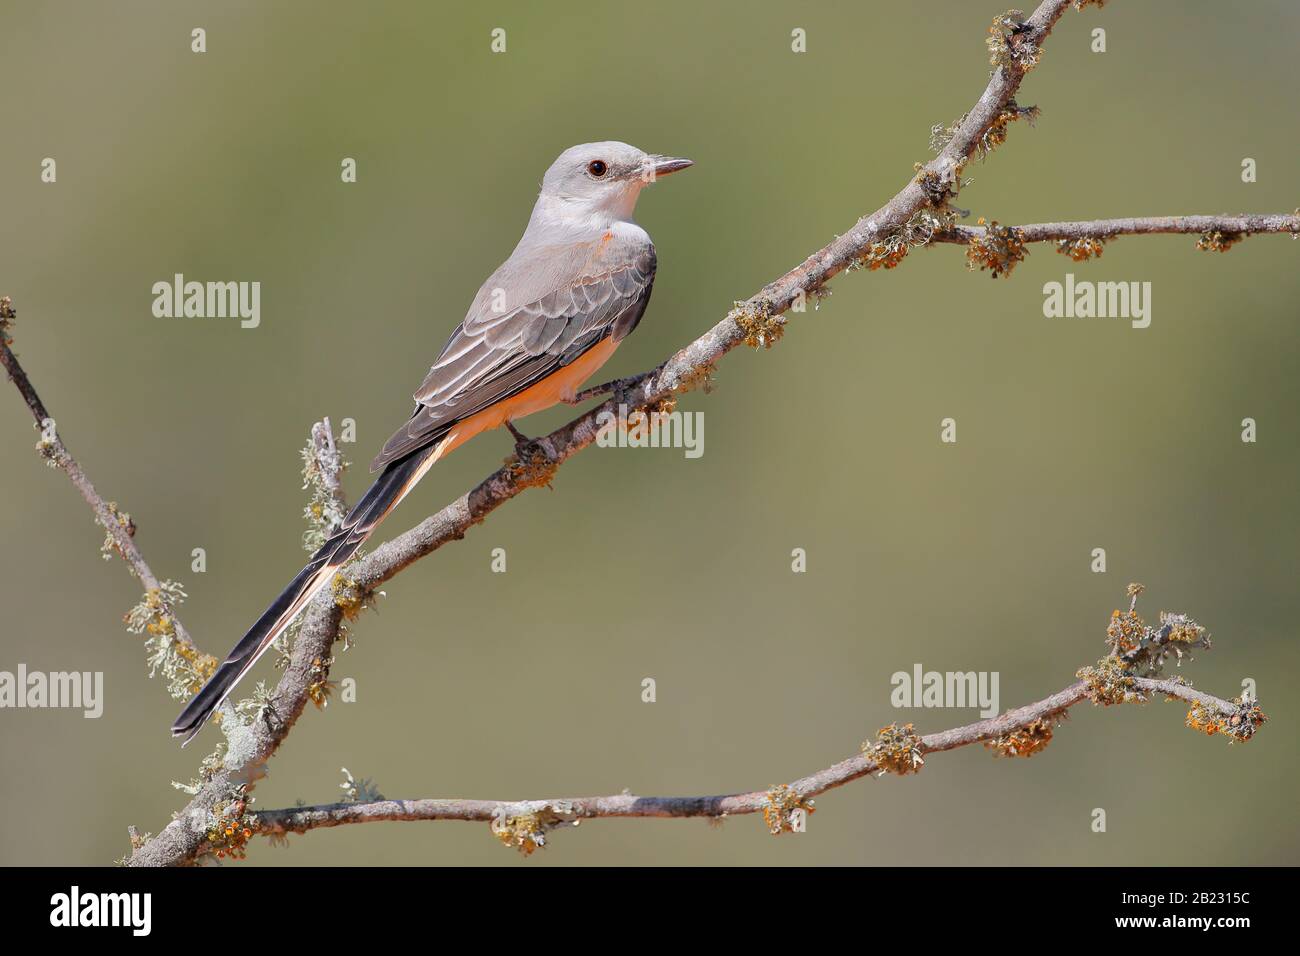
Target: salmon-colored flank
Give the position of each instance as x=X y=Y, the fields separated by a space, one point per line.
x=546 y=393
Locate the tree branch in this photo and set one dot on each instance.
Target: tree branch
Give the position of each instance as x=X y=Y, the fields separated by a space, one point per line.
x=322 y=474
x=330 y=463
x=118 y=526
x=1232 y=225
x=519 y=822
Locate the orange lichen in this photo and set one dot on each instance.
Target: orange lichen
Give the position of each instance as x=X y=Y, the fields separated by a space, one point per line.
x=785 y=810
x=760 y=327
x=997 y=248
x=895 y=750
x=320 y=687
x=1110 y=682
x=1025 y=742
x=884 y=255
x=1240 y=725
x=1009 y=43
x=1125 y=631
x=1218 y=241
x=228 y=837
x=1082 y=248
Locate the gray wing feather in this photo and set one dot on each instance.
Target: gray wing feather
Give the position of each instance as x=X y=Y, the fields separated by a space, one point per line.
x=493 y=356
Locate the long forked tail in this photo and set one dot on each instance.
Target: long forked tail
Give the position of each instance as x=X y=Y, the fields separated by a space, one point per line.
x=381 y=498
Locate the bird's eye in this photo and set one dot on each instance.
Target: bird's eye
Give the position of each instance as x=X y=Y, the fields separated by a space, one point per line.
x=597 y=168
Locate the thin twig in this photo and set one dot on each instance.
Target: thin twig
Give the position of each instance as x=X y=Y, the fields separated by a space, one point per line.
x=331 y=466
x=569 y=809
x=1244 y=225
x=56 y=452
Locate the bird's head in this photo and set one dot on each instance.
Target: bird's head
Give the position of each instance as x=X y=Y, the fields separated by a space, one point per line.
x=604 y=179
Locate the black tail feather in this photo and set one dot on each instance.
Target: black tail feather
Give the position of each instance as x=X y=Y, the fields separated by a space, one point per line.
x=361 y=521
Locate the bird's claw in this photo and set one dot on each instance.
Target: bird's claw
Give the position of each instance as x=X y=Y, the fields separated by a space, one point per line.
x=522 y=441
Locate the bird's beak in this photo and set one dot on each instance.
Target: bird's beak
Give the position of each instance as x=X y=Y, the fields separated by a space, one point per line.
x=657 y=166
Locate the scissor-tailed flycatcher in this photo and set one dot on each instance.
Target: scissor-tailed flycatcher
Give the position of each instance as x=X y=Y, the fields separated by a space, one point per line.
x=541 y=325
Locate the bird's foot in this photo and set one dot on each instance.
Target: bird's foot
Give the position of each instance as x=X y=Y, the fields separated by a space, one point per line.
x=523 y=444
x=533 y=462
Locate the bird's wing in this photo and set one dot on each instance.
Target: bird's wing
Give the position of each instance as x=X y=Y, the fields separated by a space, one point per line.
x=496 y=354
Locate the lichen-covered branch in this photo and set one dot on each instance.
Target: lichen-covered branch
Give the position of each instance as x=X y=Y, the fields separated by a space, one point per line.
x=322 y=475
x=1247 y=224
x=1051 y=708
x=987 y=244
x=1022 y=732
x=160 y=596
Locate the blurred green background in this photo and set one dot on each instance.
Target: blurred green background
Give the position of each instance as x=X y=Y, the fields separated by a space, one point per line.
x=1072 y=434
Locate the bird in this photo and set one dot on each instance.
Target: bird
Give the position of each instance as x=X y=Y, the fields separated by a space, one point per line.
x=576 y=285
